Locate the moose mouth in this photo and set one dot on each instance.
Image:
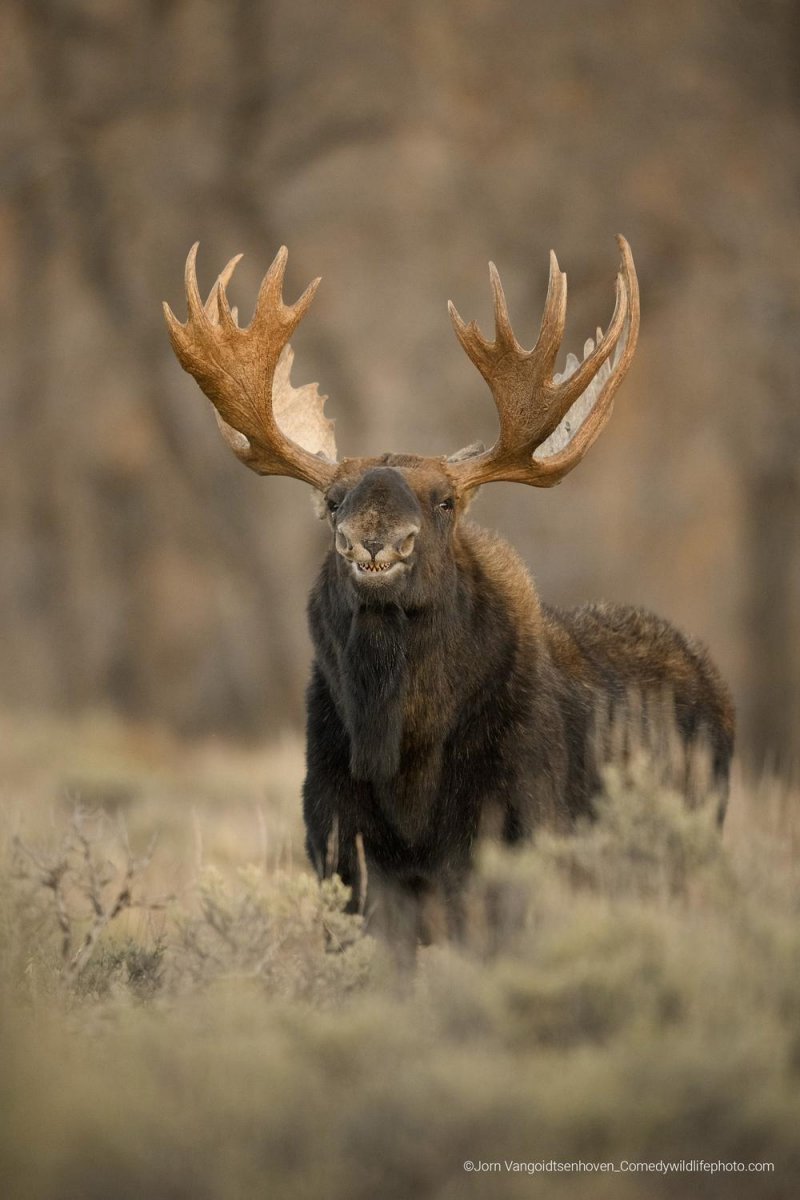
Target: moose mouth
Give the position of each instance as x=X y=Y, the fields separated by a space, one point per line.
x=377 y=571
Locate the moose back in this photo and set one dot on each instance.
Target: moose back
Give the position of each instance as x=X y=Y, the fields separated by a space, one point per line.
x=445 y=700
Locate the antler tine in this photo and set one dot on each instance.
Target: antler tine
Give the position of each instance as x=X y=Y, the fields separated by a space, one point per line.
x=572 y=386
x=217 y=308
x=472 y=340
x=303 y=303
x=480 y=350
x=266 y=421
x=270 y=293
x=503 y=333
x=193 y=301
x=270 y=296
x=533 y=406
x=554 y=317
x=225 y=315
x=585 y=373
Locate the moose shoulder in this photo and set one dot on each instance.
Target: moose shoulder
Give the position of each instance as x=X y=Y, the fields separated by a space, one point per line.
x=445 y=700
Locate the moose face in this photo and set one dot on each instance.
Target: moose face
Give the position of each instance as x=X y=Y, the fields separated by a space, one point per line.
x=392 y=521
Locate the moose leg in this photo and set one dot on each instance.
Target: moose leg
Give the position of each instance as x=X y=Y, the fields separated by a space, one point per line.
x=331 y=840
x=395 y=916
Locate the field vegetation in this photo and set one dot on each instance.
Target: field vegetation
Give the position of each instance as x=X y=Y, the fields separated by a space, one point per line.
x=185 y=1012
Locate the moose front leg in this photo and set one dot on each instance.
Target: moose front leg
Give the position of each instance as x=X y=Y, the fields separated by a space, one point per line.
x=333 y=802
x=332 y=844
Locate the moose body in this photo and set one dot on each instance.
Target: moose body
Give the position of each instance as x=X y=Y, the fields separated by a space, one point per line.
x=445 y=701
x=457 y=704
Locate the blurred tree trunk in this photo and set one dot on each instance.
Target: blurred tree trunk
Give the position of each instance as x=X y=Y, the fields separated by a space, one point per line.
x=772 y=712
x=395 y=149
x=130 y=565
x=771 y=455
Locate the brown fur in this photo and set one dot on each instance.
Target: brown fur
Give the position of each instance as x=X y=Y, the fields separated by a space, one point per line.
x=448 y=701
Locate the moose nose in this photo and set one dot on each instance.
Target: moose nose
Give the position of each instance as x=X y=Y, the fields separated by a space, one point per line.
x=404 y=541
x=399 y=544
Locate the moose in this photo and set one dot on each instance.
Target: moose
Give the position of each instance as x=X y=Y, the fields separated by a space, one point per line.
x=446 y=702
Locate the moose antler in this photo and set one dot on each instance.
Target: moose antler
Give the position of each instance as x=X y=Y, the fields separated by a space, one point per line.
x=273 y=428
x=560 y=416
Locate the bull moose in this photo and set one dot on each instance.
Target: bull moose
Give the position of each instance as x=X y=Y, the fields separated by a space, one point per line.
x=445 y=699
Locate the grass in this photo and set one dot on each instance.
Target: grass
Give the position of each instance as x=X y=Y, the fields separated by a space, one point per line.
x=227 y=1031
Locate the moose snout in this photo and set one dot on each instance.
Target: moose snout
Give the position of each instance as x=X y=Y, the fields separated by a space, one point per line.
x=389 y=548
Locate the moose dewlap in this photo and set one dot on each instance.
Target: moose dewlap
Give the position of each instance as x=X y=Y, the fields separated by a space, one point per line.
x=445 y=699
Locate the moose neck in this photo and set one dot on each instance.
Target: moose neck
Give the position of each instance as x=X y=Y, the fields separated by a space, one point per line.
x=375 y=685
x=380 y=650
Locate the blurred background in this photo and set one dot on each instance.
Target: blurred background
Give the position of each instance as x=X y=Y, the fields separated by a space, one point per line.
x=394 y=149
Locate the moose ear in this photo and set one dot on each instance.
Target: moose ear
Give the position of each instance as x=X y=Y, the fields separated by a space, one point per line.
x=467 y=452
x=319 y=504
x=460 y=456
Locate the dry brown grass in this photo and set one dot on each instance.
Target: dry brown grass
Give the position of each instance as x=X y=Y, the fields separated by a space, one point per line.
x=630 y=993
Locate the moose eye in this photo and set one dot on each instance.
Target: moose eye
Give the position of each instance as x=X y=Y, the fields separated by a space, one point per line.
x=446 y=505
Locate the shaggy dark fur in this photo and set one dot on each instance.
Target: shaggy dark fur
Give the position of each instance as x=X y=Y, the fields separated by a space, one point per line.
x=446 y=702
